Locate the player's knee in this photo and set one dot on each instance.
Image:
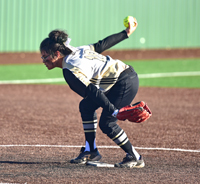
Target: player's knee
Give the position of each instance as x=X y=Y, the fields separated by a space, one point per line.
x=104 y=128
x=87 y=114
x=109 y=129
x=84 y=108
x=81 y=106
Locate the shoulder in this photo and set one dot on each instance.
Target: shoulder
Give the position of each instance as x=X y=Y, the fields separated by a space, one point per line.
x=86 y=47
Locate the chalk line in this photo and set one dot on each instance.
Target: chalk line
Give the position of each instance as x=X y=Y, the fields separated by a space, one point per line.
x=106 y=147
x=32 y=81
x=172 y=74
x=141 y=76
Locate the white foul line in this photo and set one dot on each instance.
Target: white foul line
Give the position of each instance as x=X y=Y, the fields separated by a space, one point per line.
x=142 y=76
x=172 y=74
x=106 y=147
x=32 y=81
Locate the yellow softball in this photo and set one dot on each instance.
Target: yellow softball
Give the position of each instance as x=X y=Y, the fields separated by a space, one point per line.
x=130 y=19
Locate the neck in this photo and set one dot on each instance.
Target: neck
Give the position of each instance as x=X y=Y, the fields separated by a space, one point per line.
x=59 y=62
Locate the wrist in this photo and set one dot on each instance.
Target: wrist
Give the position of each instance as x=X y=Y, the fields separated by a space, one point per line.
x=127 y=32
x=114 y=114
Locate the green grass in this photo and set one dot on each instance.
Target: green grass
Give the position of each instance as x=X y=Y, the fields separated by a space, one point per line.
x=165 y=66
x=39 y=71
x=162 y=66
x=28 y=71
x=185 y=82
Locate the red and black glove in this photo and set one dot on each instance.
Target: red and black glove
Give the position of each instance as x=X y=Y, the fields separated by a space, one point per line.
x=137 y=113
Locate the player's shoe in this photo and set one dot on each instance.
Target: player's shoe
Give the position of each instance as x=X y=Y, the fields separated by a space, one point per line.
x=131 y=162
x=86 y=156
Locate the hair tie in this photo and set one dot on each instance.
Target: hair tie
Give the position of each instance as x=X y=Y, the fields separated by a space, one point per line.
x=67 y=42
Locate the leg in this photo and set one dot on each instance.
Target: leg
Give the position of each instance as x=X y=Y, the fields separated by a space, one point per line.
x=116 y=133
x=89 y=118
x=120 y=95
x=87 y=109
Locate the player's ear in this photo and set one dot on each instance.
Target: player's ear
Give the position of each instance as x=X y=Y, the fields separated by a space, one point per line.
x=57 y=54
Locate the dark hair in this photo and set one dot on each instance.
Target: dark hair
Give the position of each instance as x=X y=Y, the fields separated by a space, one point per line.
x=55 y=43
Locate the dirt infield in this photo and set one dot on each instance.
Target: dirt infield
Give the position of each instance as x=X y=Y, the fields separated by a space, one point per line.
x=48 y=115
x=36 y=119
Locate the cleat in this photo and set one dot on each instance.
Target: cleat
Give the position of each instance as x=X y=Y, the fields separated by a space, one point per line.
x=131 y=162
x=86 y=156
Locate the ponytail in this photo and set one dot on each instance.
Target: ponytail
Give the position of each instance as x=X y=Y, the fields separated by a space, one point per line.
x=55 y=42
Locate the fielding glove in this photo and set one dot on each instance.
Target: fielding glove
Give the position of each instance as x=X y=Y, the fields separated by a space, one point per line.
x=137 y=113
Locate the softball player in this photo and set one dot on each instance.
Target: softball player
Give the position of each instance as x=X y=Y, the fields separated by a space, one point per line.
x=102 y=82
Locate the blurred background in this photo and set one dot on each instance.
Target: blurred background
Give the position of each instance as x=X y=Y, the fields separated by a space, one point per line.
x=168 y=30
x=163 y=24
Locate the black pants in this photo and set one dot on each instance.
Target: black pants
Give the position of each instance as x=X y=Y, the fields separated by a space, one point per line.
x=121 y=94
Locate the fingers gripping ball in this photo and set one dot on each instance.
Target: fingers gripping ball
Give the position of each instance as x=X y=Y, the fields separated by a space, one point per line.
x=130 y=19
x=137 y=113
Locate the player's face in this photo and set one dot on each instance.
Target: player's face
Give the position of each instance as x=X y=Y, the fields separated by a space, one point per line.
x=48 y=60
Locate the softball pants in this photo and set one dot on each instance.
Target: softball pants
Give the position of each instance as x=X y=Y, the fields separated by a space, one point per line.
x=120 y=95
